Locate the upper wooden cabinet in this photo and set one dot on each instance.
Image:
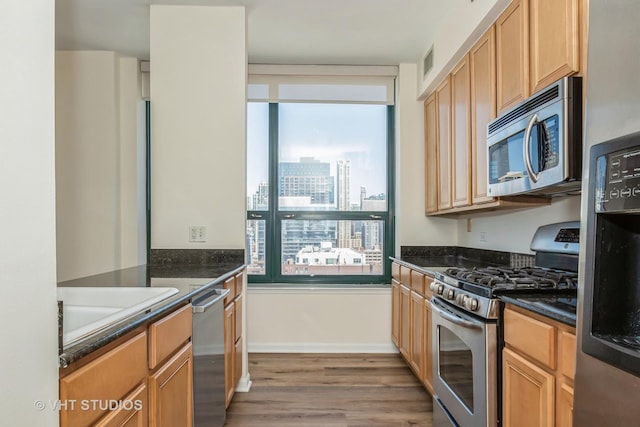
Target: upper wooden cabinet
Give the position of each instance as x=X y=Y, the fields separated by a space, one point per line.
x=512 y=55
x=431 y=155
x=482 y=60
x=443 y=114
x=460 y=135
x=554 y=31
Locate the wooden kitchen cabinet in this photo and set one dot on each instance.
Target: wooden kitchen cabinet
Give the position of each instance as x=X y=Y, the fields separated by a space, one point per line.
x=529 y=392
x=554 y=46
x=149 y=370
x=460 y=135
x=171 y=391
x=431 y=155
x=233 y=339
x=538 y=370
x=405 y=321
x=395 y=312
x=443 y=120
x=411 y=322
x=512 y=55
x=482 y=68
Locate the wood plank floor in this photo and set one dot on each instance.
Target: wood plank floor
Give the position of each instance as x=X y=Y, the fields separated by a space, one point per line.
x=337 y=390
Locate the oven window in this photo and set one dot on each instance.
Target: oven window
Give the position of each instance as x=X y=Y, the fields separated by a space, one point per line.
x=456 y=365
x=505 y=160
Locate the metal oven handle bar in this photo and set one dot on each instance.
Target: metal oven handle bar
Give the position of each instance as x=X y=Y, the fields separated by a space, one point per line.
x=440 y=310
x=526 y=147
x=202 y=306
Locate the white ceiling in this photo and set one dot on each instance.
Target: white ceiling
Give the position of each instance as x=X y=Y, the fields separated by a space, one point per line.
x=358 y=32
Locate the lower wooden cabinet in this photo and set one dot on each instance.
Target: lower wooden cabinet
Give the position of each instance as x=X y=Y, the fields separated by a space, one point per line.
x=229 y=350
x=171 y=391
x=538 y=369
x=143 y=379
x=528 y=391
x=411 y=321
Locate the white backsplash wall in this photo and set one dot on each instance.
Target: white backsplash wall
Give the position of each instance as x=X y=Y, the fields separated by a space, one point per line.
x=512 y=231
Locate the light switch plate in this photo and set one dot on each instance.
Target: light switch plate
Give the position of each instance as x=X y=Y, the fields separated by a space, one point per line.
x=197 y=234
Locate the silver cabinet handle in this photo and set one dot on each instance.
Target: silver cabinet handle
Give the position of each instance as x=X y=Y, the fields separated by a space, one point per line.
x=526 y=149
x=289 y=216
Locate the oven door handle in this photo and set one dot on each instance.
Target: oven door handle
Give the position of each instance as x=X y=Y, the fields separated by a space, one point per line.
x=435 y=305
x=204 y=305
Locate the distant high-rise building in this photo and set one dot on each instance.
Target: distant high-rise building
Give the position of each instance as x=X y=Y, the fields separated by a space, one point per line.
x=343 y=175
x=308 y=177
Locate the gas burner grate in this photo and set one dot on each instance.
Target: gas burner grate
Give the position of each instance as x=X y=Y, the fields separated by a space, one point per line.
x=505 y=278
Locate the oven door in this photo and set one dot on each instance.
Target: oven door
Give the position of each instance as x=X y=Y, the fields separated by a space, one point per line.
x=465 y=366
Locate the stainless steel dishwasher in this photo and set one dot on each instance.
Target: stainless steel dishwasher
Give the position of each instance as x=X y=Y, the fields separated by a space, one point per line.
x=208 y=359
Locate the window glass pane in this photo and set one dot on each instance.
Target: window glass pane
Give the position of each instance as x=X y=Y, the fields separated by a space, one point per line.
x=257 y=156
x=320 y=247
x=256 y=239
x=332 y=157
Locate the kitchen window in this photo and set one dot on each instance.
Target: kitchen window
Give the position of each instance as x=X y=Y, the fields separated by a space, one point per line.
x=319 y=182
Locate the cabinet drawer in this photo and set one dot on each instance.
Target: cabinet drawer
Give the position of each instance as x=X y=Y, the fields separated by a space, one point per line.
x=169 y=333
x=428 y=280
x=417 y=282
x=230 y=284
x=132 y=413
x=110 y=377
x=567 y=354
x=531 y=337
x=405 y=276
x=239 y=283
x=395 y=271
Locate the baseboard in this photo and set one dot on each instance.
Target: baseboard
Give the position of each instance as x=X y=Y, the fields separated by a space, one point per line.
x=244 y=384
x=321 y=348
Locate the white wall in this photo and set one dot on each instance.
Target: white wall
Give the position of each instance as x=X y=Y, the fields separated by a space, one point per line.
x=198 y=104
x=412 y=226
x=97 y=123
x=27 y=213
x=512 y=231
x=458 y=30
x=319 y=320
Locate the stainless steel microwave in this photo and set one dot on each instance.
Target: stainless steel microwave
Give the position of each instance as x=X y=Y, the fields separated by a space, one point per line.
x=536 y=146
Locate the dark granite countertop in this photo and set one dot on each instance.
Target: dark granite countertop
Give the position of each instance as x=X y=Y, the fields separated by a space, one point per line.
x=190 y=280
x=439 y=263
x=560 y=306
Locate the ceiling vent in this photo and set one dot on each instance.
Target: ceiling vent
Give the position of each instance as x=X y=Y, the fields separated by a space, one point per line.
x=427 y=62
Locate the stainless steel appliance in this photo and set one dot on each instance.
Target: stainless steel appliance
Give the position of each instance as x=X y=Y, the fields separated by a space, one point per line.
x=536 y=146
x=607 y=387
x=465 y=321
x=208 y=359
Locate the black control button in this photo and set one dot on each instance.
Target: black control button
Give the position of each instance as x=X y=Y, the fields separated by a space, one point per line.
x=635 y=191
x=626 y=192
x=614 y=194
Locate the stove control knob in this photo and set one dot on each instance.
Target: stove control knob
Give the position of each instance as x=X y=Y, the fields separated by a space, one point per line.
x=461 y=300
x=440 y=289
x=472 y=304
x=450 y=295
x=434 y=287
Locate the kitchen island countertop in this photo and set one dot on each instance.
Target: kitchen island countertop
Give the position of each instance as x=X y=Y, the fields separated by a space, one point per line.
x=190 y=280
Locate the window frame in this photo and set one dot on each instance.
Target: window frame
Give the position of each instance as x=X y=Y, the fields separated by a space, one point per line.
x=274 y=218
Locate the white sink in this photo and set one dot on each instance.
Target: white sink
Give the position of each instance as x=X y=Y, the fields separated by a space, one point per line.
x=87 y=310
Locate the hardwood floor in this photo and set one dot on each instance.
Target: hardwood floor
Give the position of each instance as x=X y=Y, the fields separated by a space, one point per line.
x=341 y=390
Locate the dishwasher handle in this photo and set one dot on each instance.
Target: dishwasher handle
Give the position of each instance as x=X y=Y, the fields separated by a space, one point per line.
x=203 y=305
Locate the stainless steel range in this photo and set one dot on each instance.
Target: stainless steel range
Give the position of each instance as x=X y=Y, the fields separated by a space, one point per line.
x=466 y=317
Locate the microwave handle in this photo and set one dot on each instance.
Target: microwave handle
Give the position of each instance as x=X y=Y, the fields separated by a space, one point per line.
x=526 y=147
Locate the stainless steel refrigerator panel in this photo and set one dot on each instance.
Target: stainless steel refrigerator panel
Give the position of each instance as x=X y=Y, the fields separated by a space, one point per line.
x=605 y=395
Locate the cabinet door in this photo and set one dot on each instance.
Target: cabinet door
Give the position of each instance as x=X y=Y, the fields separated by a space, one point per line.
x=512 y=55
x=443 y=114
x=416 y=355
x=132 y=413
x=229 y=351
x=528 y=393
x=460 y=135
x=405 y=321
x=554 y=41
x=565 y=406
x=237 y=317
x=427 y=378
x=237 y=362
x=431 y=155
x=171 y=391
x=483 y=109
x=395 y=312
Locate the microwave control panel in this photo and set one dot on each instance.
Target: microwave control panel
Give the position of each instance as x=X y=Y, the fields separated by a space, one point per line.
x=618 y=181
